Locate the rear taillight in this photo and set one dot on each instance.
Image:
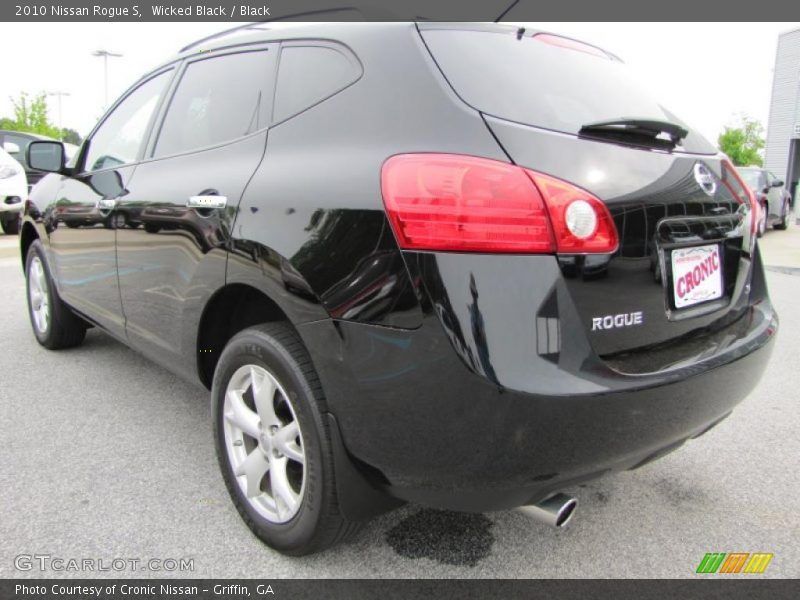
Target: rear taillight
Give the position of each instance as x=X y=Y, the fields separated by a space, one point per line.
x=742 y=192
x=572 y=211
x=468 y=204
x=755 y=208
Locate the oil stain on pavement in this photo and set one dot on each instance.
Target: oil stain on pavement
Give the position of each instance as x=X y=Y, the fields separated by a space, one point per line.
x=451 y=538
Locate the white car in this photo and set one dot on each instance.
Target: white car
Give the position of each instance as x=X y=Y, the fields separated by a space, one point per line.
x=13 y=191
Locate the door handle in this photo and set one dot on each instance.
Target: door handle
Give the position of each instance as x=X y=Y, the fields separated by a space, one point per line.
x=207 y=201
x=106 y=204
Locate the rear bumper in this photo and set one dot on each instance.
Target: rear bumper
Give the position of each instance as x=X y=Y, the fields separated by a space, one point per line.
x=447 y=416
x=526 y=447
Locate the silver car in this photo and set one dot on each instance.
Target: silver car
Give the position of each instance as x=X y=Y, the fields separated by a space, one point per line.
x=774 y=199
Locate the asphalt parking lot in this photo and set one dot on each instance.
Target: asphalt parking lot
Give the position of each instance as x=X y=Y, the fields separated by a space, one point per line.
x=106 y=455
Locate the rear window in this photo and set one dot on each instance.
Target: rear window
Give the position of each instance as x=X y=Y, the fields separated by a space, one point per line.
x=310 y=74
x=545 y=81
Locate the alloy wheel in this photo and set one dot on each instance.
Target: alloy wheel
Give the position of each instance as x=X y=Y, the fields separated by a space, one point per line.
x=264 y=443
x=38 y=294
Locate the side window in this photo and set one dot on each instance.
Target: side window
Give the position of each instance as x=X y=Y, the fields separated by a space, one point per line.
x=309 y=74
x=219 y=99
x=120 y=137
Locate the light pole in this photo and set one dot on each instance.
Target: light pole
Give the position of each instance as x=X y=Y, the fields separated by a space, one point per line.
x=105 y=54
x=60 y=122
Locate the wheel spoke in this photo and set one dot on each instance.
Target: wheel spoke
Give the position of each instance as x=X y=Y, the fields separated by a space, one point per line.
x=286 y=500
x=240 y=415
x=286 y=441
x=41 y=283
x=254 y=467
x=35 y=277
x=264 y=397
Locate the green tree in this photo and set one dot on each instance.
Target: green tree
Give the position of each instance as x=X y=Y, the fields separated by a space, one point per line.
x=71 y=136
x=30 y=114
x=743 y=142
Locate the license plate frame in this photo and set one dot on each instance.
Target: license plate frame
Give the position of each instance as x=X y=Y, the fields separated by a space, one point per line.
x=696 y=276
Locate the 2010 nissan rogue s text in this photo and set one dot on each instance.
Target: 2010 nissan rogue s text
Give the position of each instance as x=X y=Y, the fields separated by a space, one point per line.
x=467 y=266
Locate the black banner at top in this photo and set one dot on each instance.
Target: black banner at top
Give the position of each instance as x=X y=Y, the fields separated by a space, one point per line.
x=396 y=10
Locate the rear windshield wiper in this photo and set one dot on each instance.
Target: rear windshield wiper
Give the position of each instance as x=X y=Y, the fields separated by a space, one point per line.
x=641 y=132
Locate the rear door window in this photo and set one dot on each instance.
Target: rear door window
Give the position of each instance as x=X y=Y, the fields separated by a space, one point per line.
x=544 y=80
x=219 y=99
x=309 y=74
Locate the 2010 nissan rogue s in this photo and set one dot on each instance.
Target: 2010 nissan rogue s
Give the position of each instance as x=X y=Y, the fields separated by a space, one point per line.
x=467 y=266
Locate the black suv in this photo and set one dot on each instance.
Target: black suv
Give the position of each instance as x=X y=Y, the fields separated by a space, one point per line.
x=468 y=266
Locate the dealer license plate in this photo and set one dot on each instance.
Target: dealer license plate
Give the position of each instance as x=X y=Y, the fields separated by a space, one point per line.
x=696 y=275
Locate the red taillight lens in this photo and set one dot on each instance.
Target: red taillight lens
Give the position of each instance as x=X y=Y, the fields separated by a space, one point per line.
x=569 y=213
x=755 y=213
x=742 y=192
x=469 y=204
x=463 y=203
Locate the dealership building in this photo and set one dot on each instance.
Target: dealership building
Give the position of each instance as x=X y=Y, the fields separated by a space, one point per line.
x=783 y=132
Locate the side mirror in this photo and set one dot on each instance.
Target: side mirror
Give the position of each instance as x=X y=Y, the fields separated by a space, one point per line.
x=11 y=147
x=44 y=155
x=777 y=183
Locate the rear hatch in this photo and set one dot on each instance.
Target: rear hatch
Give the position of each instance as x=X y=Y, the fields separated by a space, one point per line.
x=684 y=220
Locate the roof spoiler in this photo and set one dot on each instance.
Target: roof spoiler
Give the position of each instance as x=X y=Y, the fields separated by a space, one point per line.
x=373 y=10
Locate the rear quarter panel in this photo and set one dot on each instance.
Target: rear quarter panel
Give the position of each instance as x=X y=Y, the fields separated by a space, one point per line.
x=316 y=201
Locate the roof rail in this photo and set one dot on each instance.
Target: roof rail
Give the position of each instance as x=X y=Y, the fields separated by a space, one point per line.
x=335 y=13
x=220 y=34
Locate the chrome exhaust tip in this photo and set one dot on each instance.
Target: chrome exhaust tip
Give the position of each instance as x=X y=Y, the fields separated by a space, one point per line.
x=555 y=511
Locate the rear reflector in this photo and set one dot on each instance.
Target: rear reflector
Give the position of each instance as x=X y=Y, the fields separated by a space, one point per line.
x=468 y=204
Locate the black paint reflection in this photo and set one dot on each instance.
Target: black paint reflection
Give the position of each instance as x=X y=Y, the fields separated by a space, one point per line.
x=351 y=260
x=670 y=212
x=484 y=365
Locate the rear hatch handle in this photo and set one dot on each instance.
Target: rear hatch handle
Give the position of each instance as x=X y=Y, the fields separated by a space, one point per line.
x=640 y=131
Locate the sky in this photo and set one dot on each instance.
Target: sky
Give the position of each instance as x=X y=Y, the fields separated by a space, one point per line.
x=706 y=73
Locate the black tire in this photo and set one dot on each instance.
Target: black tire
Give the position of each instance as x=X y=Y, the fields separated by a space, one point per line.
x=11 y=224
x=783 y=224
x=763 y=219
x=318 y=523
x=64 y=329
